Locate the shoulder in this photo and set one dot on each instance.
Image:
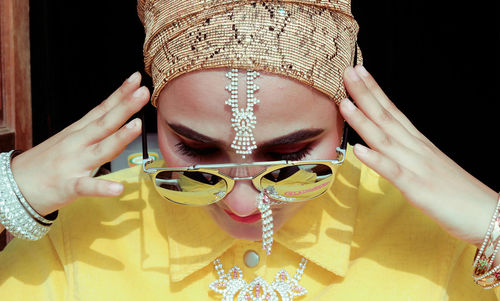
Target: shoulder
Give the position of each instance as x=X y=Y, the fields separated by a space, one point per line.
x=89 y=216
x=100 y=231
x=101 y=208
x=385 y=214
x=407 y=244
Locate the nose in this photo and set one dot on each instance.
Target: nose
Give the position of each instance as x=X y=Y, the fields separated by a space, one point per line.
x=242 y=200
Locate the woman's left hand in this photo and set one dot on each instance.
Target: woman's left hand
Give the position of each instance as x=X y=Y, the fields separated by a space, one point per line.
x=428 y=179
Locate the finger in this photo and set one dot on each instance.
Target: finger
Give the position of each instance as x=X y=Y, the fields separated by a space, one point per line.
x=108 y=123
x=385 y=102
x=109 y=148
x=395 y=173
x=375 y=89
x=369 y=104
x=128 y=87
x=374 y=136
x=366 y=128
x=87 y=186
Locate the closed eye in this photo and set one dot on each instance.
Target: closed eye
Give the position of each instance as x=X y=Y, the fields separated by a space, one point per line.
x=291 y=156
x=195 y=152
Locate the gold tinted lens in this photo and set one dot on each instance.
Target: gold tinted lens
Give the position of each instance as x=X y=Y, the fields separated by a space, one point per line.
x=190 y=187
x=298 y=182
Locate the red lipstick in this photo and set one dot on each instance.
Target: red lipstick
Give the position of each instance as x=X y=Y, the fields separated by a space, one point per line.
x=244 y=219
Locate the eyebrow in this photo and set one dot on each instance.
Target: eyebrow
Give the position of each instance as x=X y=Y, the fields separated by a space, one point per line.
x=291 y=138
x=295 y=137
x=192 y=134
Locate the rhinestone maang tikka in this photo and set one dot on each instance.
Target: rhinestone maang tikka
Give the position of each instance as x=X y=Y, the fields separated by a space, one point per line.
x=243 y=120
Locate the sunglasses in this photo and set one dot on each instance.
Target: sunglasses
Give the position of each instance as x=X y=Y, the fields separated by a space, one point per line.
x=205 y=184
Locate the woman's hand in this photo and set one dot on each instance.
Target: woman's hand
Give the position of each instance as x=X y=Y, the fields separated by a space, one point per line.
x=56 y=172
x=429 y=179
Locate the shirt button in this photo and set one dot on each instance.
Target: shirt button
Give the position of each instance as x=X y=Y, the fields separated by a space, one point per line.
x=251 y=258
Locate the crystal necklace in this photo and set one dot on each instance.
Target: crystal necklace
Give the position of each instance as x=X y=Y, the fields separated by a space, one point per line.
x=231 y=284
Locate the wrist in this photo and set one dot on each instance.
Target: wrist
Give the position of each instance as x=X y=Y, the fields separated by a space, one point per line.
x=22 y=177
x=16 y=215
x=486 y=208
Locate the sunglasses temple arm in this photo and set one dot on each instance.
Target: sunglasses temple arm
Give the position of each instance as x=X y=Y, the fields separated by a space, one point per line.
x=346 y=125
x=145 y=154
x=345 y=136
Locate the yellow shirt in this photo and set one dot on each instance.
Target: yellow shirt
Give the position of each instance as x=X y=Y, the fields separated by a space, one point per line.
x=362 y=239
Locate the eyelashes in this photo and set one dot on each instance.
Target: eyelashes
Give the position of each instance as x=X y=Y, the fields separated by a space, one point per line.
x=207 y=152
x=194 y=152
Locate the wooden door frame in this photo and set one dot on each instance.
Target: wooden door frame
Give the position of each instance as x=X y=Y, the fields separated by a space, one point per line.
x=15 y=75
x=15 y=81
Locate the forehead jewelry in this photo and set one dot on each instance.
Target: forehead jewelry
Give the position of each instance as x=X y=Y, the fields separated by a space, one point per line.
x=243 y=120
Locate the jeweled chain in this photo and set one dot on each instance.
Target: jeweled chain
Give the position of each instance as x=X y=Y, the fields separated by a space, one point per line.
x=264 y=204
x=232 y=284
x=243 y=120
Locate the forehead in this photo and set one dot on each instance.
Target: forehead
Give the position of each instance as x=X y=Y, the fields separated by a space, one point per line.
x=197 y=100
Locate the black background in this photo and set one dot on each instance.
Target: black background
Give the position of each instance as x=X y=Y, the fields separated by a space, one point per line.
x=437 y=60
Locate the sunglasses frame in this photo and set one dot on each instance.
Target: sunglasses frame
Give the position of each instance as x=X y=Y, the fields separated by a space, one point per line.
x=230 y=181
x=256 y=180
x=212 y=168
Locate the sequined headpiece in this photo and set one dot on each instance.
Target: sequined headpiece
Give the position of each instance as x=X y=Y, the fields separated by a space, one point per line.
x=312 y=41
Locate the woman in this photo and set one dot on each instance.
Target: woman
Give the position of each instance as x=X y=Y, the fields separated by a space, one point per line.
x=361 y=238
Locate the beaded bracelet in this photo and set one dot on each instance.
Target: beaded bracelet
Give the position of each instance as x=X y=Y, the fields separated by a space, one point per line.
x=483 y=274
x=14 y=216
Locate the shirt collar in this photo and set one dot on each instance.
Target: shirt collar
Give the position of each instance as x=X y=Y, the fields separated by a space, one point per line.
x=322 y=230
x=194 y=240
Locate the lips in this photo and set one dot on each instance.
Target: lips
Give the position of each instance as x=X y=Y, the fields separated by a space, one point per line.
x=250 y=219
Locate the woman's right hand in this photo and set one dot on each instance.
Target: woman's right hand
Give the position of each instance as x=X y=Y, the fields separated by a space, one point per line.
x=57 y=171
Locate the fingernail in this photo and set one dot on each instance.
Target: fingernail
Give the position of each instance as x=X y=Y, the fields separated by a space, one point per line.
x=362 y=71
x=115 y=188
x=348 y=105
x=353 y=75
x=360 y=149
x=138 y=93
x=132 y=124
x=134 y=77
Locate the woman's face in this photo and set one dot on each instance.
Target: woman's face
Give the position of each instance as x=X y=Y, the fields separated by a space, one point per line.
x=294 y=122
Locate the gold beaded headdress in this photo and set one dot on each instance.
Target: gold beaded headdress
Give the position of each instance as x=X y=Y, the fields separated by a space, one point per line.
x=312 y=41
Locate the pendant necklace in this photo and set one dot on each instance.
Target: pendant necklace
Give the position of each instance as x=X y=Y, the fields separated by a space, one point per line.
x=232 y=284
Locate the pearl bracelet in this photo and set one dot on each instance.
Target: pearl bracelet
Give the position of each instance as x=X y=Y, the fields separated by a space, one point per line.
x=14 y=213
x=483 y=274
